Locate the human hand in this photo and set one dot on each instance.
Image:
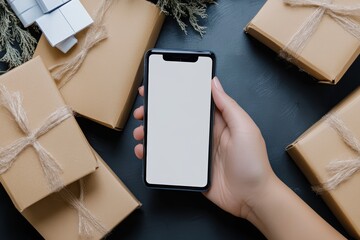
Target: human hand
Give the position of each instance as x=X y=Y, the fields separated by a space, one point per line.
x=243 y=182
x=240 y=167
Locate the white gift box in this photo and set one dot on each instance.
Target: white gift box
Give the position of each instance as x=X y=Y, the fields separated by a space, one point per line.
x=64 y=22
x=59 y=20
x=67 y=44
x=27 y=10
x=50 y=5
x=20 y=6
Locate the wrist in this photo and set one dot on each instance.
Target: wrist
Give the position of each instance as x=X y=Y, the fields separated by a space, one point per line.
x=280 y=214
x=272 y=187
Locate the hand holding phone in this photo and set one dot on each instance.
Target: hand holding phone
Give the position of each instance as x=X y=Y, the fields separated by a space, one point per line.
x=178 y=119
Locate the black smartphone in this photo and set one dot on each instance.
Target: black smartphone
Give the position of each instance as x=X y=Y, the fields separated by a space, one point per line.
x=178 y=119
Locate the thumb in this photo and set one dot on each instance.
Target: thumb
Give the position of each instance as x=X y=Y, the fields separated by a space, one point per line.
x=232 y=113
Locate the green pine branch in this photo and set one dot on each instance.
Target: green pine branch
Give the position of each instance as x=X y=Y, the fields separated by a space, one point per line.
x=194 y=10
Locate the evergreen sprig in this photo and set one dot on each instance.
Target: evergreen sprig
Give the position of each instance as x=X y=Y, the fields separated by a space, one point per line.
x=194 y=10
x=16 y=44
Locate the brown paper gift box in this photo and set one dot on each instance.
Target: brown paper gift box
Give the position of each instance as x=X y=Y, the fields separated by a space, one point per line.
x=327 y=54
x=25 y=181
x=320 y=145
x=106 y=84
x=106 y=197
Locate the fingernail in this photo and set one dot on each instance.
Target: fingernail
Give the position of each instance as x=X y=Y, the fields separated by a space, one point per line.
x=218 y=84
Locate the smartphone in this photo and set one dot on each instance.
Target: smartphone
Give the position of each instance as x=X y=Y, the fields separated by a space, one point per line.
x=178 y=119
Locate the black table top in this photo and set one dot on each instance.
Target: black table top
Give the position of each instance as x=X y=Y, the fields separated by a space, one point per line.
x=283 y=101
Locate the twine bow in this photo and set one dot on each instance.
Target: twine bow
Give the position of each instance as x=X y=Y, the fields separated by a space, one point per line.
x=343 y=15
x=88 y=223
x=341 y=170
x=13 y=103
x=96 y=33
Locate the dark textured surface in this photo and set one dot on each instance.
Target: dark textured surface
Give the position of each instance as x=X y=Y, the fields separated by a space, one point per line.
x=283 y=102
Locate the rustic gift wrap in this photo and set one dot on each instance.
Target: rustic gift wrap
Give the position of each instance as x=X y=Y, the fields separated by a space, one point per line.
x=322 y=37
x=99 y=77
x=329 y=156
x=42 y=148
x=104 y=196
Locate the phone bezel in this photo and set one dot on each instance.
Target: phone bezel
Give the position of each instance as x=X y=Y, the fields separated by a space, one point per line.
x=176 y=53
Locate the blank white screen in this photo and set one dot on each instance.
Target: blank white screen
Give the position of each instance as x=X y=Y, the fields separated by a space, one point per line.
x=178 y=122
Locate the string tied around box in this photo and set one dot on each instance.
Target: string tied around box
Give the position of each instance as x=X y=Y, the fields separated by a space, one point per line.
x=88 y=223
x=64 y=72
x=343 y=14
x=12 y=101
x=341 y=170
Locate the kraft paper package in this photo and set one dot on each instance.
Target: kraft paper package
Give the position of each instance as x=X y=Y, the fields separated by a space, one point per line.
x=105 y=197
x=104 y=87
x=328 y=154
x=327 y=53
x=42 y=147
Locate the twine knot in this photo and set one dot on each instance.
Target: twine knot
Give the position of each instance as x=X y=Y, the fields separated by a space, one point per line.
x=31 y=138
x=343 y=14
x=64 y=72
x=341 y=170
x=13 y=103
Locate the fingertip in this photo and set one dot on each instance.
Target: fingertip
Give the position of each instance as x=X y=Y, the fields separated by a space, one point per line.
x=134 y=134
x=138 y=133
x=139 y=113
x=217 y=84
x=139 y=151
x=141 y=91
x=217 y=96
